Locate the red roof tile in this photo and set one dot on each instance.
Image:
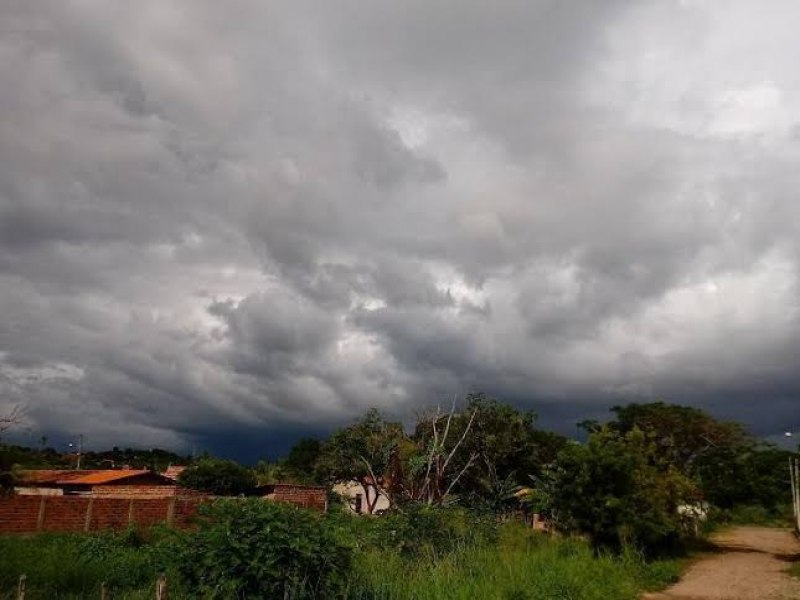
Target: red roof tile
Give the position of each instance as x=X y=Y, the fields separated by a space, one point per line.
x=44 y=476
x=105 y=476
x=54 y=477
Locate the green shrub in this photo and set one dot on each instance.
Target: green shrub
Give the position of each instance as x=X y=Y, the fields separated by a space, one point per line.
x=614 y=490
x=257 y=549
x=219 y=477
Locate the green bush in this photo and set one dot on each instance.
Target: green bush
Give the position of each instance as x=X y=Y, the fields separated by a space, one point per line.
x=257 y=549
x=614 y=490
x=219 y=477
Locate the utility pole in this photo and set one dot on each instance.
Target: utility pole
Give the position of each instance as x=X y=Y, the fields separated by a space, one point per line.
x=79 y=453
x=80 y=450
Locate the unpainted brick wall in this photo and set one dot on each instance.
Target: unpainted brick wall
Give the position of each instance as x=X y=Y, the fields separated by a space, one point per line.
x=30 y=514
x=313 y=498
x=145 y=491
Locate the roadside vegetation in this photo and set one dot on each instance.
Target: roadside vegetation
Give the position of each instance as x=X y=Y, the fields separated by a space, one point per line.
x=623 y=506
x=283 y=552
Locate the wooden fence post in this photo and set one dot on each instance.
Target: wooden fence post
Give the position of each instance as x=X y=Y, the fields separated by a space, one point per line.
x=87 y=523
x=161 y=587
x=171 y=510
x=40 y=517
x=103 y=591
x=796 y=488
x=21 y=587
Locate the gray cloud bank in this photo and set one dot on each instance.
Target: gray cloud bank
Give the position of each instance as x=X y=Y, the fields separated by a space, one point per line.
x=265 y=214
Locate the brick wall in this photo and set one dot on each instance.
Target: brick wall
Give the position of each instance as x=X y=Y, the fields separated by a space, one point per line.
x=29 y=514
x=315 y=498
x=145 y=491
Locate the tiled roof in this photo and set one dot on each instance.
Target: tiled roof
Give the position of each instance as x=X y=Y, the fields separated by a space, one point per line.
x=61 y=477
x=43 y=476
x=106 y=476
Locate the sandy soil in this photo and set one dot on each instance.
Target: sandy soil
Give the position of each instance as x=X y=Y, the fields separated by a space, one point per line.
x=750 y=564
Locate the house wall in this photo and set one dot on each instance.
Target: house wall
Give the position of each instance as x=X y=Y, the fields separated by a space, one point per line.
x=349 y=490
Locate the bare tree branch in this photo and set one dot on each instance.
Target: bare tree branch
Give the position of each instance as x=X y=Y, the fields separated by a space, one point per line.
x=464 y=470
x=12 y=418
x=463 y=437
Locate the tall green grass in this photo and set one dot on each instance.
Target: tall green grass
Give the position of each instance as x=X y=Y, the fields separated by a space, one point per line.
x=518 y=565
x=71 y=566
x=521 y=566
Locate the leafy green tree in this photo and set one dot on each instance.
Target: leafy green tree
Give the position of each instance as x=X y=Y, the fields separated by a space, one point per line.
x=219 y=477
x=749 y=474
x=505 y=447
x=508 y=441
x=365 y=452
x=683 y=435
x=614 y=490
x=300 y=463
x=8 y=419
x=268 y=472
x=729 y=465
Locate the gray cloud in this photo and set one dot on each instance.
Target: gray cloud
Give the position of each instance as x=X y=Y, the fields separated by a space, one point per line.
x=267 y=215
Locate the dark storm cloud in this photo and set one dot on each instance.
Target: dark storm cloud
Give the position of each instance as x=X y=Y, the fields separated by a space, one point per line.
x=220 y=217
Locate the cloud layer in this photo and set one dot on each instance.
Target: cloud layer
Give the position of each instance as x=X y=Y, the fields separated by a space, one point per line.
x=267 y=215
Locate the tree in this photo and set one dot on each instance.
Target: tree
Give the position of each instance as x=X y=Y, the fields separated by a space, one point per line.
x=509 y=446
x=728 y=464
x=614 y=490
x=11 y=418
x=8 y=420
x=301 y=461
x=364 y=452
x=683 y=435
x=436 y=468
x=501 y=450
x=219 y=477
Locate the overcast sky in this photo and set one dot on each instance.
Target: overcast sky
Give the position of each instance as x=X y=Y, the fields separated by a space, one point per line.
x=228 y=223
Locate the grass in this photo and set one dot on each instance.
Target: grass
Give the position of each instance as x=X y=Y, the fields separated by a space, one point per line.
x=780 y=516
x=794 y=570
x=70 y=566
x=520 y=565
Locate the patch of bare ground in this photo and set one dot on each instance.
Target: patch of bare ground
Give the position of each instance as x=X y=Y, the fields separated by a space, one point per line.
x=748 y=563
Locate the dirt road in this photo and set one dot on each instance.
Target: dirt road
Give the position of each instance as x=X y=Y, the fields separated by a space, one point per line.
x=750 y=564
